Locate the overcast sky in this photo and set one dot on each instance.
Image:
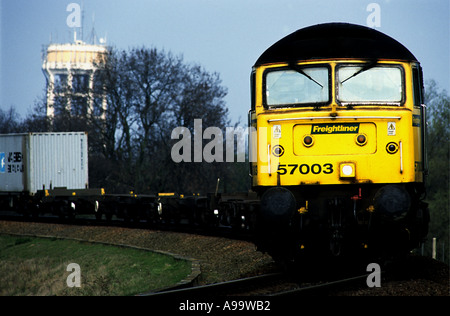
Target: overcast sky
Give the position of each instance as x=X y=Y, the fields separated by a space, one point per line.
x=224 y=36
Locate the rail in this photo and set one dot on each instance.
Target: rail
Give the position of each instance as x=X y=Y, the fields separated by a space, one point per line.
x=324 y=288
x=218 y=289
x=253 y=284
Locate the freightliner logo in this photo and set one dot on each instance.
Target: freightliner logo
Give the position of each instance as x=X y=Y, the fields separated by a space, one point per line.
x=346 y=128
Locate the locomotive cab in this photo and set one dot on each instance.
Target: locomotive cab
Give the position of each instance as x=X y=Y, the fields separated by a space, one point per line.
x=337 y=147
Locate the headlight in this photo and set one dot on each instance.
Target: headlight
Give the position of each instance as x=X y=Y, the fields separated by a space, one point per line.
x=308 y=141
x=361 y=139
x=347 y=170
x=392 y=148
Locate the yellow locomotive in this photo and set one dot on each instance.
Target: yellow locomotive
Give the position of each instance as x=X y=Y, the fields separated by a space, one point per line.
x=337 y=147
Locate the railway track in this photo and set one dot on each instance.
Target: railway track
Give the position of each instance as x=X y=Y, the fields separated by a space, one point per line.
x=267 y=285
x=324 y=288
x=226 y=288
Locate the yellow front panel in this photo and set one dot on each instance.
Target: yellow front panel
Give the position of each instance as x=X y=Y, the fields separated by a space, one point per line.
x=284 y=160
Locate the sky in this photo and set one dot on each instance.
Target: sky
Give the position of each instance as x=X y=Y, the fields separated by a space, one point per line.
x=223 y=36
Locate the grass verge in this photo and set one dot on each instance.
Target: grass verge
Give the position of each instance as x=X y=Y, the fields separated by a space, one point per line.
x=38 y=266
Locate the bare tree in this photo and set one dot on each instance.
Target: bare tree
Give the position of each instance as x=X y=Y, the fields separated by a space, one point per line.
x=438 y=108
x=151 y=92
x=9 y=121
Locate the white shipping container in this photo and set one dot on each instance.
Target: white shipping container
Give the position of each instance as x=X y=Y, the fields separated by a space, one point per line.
x=31 y=162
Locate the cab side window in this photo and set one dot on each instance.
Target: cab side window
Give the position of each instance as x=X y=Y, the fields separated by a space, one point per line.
x=417 y=87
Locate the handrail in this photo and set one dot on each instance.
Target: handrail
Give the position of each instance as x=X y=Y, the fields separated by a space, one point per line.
x=334 y=118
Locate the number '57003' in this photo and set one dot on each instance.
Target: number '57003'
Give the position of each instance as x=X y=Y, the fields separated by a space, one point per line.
x=305 y=169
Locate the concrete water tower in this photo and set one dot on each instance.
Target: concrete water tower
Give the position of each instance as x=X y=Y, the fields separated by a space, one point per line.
x=74 y=79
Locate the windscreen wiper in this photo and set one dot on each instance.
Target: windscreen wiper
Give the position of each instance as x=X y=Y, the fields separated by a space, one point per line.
x=366 y=67
x=298 y=69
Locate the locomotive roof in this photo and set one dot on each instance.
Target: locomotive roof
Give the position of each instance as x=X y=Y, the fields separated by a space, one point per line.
x=335 y=40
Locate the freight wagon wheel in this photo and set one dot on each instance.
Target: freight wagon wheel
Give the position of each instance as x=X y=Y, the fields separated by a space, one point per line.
x=71 y=211
x=126 y=215
x=108 y=216
x=35 y=210
x=59 y=209
x=25 y=210
x=98 y=215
